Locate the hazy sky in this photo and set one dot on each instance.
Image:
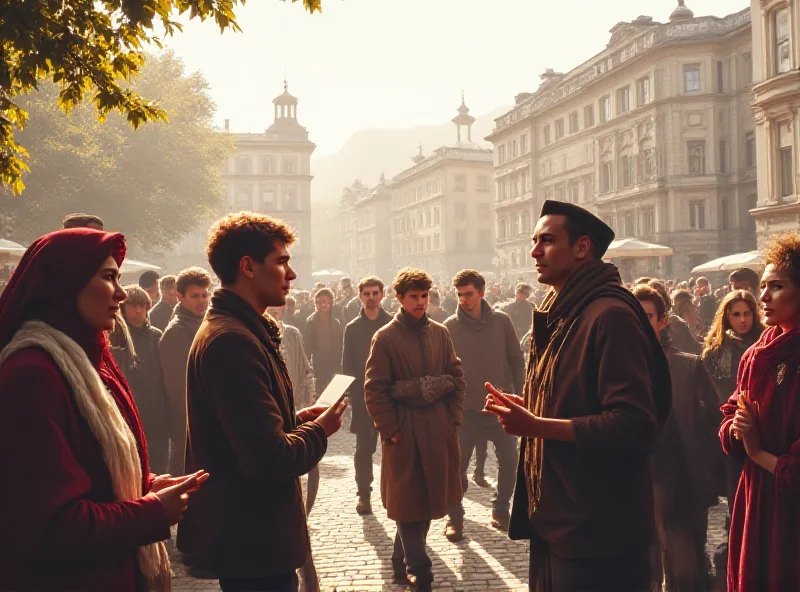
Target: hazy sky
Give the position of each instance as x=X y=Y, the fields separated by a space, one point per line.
x=399 y=63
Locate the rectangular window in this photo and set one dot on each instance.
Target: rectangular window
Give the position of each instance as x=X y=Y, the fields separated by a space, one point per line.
x=436 y=241
x=559 y=129
x=628 y=171
x=436 y=215
x=606 y=177
x=697 y=214
x=289 y=197
x=289 y=165
x=623 y=100
x=461 y=238
x=243 y=165
x=267 y=165
x=501 y=154
x=628 y=224
x=723 y=157
x=691 y=78
x=513 y=148
x=574 y=192
x=750 y=149
x=696 y=149
x=648 y=221
x=483 y=183
x=244 y=196
x=720 y=76
x=643 y=91
x=460 y=183
x=747 y=68
x=785 y=160
x=783 y=60
x=724 y=213
x=574 y=125
x=559 y=192
x=427 y=218
x=588 y=188
x=588 y=116
x=605 y=109
x=547 y=135
x=484 y=211
x=461 y=211
x=484 y=239
x=267 y=198
x=428 y=241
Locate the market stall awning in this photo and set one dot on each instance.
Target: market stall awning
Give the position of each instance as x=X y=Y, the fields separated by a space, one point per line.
x=751 y=259
x=132 y=266
x=631 y=247
x=10 y=252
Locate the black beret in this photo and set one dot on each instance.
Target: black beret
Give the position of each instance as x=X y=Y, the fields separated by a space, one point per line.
x=600 y=232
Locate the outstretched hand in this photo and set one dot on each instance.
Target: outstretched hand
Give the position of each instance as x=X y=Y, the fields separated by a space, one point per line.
x=175 y=498
x=514 y=418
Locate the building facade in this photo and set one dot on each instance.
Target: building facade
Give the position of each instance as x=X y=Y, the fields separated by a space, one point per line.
x=776 y=70
x=441 y=208
x=655 y=134
x=373 y=241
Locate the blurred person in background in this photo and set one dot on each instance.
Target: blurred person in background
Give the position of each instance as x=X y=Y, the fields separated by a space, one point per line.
x=193 y=286
x=761 y=427
x=744 y=278
x=161 y=313
x=80 y=509
x=149 y=282
x=684 y=306
x=521 y=309
x=322 y=337
x=83 y=221
x=685 y=462
x=435 y=311
x=357 y=340
x=145 y=377
x=680 y=335
x=706 y=302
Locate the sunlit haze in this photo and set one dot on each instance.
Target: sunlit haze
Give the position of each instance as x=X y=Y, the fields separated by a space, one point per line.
x=400 y=63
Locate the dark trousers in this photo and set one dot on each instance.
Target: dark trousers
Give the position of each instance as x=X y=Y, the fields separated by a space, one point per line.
x=409 y=552
x=283 y=583
x=476 y=427
x=480 y=457
x=366 y=445
x=626 y=573
x=680 y=554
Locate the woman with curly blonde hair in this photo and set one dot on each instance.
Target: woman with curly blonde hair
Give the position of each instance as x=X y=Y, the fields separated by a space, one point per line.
x=761 y=426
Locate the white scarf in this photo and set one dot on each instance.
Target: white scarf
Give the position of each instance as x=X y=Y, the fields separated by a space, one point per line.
x=105 y=420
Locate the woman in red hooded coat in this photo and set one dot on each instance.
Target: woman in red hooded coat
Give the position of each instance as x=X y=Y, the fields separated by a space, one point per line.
x=761 y=425
x=79 y=508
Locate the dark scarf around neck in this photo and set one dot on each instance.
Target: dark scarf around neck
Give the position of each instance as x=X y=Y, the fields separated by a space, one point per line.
x=563 y=309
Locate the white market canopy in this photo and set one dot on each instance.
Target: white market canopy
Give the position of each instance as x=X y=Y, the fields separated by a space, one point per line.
x=329 y=273
x=10 y=251
x=132 y=266
x=631 y=247
x=751 y=259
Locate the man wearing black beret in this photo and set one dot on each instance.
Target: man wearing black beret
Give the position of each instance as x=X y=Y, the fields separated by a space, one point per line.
x=597 y=392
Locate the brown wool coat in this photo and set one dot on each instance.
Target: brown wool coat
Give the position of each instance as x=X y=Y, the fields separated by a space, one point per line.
x=248 y=519
x=420 y=474
x=597 y=493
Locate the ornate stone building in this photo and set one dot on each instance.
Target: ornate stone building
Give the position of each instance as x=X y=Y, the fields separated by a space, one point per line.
x=654 y=134
x=776 y=73
x=441 y=208
x=348 y=252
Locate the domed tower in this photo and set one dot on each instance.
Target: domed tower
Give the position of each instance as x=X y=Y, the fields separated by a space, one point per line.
x=463 y=122
x=285 y=108
x=681 y=13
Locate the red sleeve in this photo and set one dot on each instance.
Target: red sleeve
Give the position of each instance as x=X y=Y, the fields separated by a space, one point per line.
x=43 y=505
x=787 y=472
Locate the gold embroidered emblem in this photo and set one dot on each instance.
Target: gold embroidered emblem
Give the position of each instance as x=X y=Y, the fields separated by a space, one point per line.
x=781 y=372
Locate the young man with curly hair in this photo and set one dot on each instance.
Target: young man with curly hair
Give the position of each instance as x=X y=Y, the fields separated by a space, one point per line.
x=414 y=392
x=249 y=527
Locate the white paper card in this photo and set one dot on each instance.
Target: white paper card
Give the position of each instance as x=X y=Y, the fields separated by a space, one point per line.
x=334 y=392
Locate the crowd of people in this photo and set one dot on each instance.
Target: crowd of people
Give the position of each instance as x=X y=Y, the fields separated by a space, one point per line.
x=618 y=414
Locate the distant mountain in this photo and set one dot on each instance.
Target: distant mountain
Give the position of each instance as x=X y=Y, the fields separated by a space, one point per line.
x=370 y=151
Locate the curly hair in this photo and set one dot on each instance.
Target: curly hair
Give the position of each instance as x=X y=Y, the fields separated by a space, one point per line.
x=245 y=234
x=645 y=293
x=193 y=276
x=411 y=279
x=784 y=253
x=721 y=323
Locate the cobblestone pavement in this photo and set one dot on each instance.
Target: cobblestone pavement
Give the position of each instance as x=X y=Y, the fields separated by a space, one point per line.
x=352 y=552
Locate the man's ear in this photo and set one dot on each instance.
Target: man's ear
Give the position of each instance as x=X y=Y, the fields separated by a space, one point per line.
x=583 y=247
x=246 y=266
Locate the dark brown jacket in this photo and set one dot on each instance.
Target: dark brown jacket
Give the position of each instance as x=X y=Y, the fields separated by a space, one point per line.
x=326 y=357
x=597 y=493
x=420 y=474
x=248 y=519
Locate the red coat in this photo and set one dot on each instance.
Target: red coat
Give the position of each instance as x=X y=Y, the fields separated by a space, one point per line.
x=61 y=526
x=764 y=546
